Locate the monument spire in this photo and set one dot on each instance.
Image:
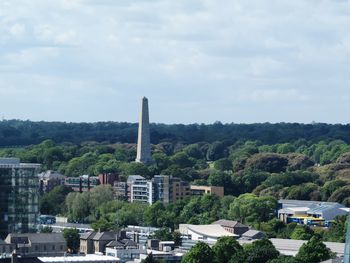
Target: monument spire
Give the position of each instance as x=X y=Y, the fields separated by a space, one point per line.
x=143 y=141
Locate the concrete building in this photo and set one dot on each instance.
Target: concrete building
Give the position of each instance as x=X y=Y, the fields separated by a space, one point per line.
x=38 y=244
x=144 y=141
x=202 y=190
x=162 y=185
x=19 y=194
x=179 y=189
x=233 y=227
x=50 y=179
x=140 y=190
x=121 y=190
x=163 y=188
x=312 y=213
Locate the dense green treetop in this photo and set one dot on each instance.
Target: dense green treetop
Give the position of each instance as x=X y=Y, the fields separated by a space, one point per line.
x=314 y=251
x=16 y=132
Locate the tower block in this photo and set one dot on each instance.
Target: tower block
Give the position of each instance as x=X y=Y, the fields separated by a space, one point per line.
x=143 y=141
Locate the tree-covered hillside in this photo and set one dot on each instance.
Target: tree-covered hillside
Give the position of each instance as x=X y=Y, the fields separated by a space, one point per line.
x=16 y=132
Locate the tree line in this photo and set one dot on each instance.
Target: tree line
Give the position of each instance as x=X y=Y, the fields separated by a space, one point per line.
x=22 y=133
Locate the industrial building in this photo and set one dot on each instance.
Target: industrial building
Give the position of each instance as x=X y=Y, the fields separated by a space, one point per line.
x=313 y=213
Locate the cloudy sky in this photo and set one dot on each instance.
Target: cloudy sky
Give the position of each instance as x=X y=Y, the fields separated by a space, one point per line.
x=197 y=61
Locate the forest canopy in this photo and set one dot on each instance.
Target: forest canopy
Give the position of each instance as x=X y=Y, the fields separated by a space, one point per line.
x=21 y=133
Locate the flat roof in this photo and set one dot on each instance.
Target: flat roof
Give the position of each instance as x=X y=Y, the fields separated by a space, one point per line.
x=87 y=258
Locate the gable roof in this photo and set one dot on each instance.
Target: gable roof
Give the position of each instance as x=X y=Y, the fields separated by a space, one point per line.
x=122 y=243
x=39 y=237
x=108 y=235
x=88 y=235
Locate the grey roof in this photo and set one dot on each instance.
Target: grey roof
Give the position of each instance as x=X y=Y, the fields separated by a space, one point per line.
x=88 y=235
x=306 y=203
x=122 y=243
x=105 y=236
x=2 y=242
x=228 y=223
x=252 y=233
x=328 y=210
x=40 y=237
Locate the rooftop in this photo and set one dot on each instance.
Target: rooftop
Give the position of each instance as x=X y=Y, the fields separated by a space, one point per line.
x=38 y=237
x=305 y=203
x=214 y=231
x=87 y=258
x=15 y=162
x=228 y=223
x=251 y=233
x=132 y=178
x=291 y=247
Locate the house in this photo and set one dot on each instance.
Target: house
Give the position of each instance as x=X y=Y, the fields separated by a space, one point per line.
x=204 y=232
x=233 y=227
x=124 y=249
x=313 y=213
x=38 y=244
x=95 y=242
x=87 y=243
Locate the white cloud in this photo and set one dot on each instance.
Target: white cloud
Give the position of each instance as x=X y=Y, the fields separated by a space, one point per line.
x=204 y=52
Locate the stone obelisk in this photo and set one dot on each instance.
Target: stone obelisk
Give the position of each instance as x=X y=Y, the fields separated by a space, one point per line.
x=143 y=141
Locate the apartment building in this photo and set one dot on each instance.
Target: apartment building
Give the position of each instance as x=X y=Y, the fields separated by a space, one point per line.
x=19 y=194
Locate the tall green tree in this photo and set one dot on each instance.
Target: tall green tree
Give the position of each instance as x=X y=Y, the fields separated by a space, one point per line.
x=260 y=251
x=314 y=251
x=72 y=238
x=52 y=203
x=225 y=248
x=200 y=253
